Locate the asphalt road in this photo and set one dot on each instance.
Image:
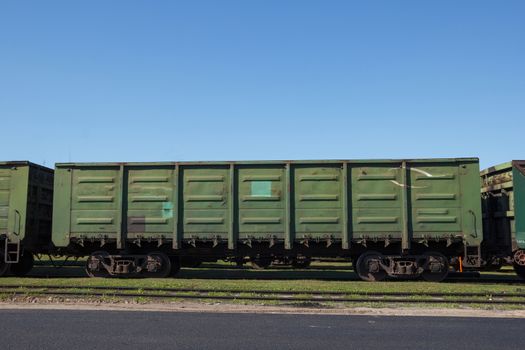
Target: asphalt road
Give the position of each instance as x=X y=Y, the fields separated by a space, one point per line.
x=64 y=329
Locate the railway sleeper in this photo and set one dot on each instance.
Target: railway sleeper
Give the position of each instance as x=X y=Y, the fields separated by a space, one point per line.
x=374 y=266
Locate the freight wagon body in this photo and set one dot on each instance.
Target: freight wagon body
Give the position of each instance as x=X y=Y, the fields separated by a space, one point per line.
x=503 y=199
x=26 y=197
x=402 y=218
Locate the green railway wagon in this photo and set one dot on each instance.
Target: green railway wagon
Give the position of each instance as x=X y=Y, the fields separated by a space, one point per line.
x=26 y=197
x=503 y=198
x=401 y=218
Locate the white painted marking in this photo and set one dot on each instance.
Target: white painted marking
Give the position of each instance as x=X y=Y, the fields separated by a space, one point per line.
x=427 y=174
x=403 y=185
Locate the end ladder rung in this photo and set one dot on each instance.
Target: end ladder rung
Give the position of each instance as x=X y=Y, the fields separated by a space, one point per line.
x=12 y=252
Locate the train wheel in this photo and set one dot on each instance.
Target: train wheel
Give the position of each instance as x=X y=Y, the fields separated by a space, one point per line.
x=260 y=263
x=158 y=265
x=519 y=257
x=368 y=267
x=95 y=266
x=435 y=267
x=519 y=263
x=4 y=267
x=25 y=265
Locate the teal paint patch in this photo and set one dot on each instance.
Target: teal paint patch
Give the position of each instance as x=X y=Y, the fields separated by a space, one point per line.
x=167 y=210
x=261 y=188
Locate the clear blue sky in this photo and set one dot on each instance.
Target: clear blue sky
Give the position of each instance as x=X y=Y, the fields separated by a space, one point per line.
x=234 y=80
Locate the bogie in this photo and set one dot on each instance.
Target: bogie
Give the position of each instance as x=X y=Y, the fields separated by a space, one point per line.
x=153 y=264
x=374 y=266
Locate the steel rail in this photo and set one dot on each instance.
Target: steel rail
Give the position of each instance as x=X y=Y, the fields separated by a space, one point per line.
x=504 y=281
x=268 y=292
x=283 y=299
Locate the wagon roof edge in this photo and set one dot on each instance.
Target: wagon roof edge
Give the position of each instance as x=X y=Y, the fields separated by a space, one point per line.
x=24 y=163
x=503 y=166
x=260 y=162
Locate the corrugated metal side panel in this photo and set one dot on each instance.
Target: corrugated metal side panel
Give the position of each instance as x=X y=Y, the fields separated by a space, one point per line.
x=376 y=200
x=441 y=200
x=94 y=205
x=5 y=186
x=318 y=200
x=206 y=202
x=13 y=199
x=261 y=201
x=86 y=203
x=149 y=198
x=436 y=198
x=345 y=201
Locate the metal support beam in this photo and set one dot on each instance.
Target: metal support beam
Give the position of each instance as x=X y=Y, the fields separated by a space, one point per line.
x=177 y=236
x=121 y=223
x=345 y=231
x=288 y=239
x=232 y=236
x=405 y=234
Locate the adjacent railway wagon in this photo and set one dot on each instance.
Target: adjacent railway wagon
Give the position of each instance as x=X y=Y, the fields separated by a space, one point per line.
x=401 y=218
x=26 y=197
x=503 y=198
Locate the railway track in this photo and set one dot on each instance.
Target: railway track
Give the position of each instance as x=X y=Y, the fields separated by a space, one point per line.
x=505 y=280
x=232 y=272
x=305 y=297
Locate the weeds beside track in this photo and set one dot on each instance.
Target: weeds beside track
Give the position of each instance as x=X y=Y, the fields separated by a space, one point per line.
x=304 y=297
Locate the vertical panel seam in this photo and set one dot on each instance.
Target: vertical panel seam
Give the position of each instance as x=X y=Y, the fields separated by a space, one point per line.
x=345 y=231
x=175 y=198
x=288 y=209
x=120 y=221
x=405 y=244
x=232 y=240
